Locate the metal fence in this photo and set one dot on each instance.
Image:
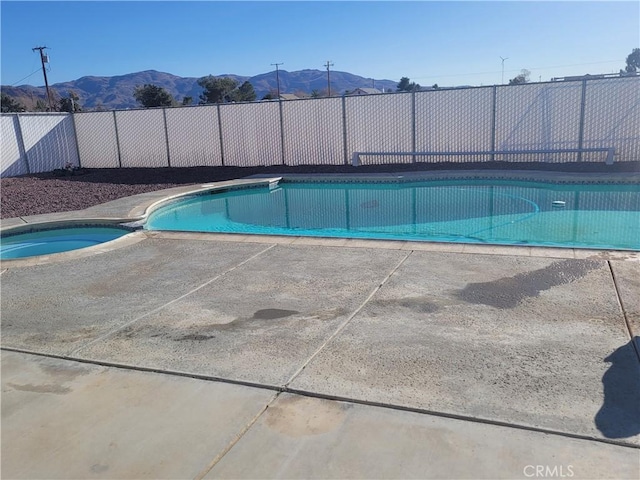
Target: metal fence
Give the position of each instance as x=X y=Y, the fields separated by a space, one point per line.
x=559 y=121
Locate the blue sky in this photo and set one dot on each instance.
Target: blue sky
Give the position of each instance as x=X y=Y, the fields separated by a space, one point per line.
x=449 y=43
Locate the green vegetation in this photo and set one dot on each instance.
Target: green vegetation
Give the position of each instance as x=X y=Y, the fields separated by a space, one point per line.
x=70 y=104
x=216 y=89
x=10 y=105
x=406 y=85
x=153 y=96
x=633 y=62
x=521 y=78
x=225 y=89
x=245 y=93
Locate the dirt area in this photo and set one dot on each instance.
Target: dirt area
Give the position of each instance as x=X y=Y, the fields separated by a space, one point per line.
x=63 y=191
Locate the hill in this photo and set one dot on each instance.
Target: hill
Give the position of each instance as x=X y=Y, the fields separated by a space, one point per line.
x=117 y=92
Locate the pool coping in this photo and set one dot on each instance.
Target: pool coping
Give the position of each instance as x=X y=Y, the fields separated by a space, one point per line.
x=588 y=178
x=136 y=216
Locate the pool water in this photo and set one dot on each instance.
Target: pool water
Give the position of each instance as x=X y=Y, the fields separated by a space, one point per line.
x=515 y=213
x=46 y=242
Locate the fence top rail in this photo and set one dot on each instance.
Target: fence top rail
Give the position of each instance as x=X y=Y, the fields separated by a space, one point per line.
x=39 y=114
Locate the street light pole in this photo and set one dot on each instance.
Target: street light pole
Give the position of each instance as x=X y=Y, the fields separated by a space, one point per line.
x=503 y=59
x=278 y=77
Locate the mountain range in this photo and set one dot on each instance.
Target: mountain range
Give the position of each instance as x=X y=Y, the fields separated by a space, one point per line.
x=117 y=92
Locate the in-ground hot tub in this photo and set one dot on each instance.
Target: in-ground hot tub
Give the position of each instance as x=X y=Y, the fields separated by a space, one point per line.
x=45 y=240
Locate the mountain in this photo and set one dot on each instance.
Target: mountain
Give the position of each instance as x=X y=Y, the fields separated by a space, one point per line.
x=117 y=92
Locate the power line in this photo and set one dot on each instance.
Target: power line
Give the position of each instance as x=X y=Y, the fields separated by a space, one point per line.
x=514 y=70
x=32 y=73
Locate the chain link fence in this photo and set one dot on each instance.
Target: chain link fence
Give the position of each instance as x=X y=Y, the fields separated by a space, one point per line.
x=313 y=132
x=97 y=140
x=541 y=122
x=194 y=136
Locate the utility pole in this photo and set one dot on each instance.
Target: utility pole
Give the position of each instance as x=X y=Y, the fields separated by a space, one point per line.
x=44 y=71
x=328 y=64
x=503 y=59
x=278 y=77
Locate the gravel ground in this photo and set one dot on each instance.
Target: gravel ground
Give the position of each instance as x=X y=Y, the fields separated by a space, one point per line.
x=83 y=188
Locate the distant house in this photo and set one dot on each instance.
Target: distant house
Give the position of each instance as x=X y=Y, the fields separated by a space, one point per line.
x=365 y=91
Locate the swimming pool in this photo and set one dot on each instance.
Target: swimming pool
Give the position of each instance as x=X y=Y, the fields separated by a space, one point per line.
x=469 y=211
x=55 y=240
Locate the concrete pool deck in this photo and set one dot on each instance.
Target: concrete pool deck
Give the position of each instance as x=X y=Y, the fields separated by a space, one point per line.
x=182 y=355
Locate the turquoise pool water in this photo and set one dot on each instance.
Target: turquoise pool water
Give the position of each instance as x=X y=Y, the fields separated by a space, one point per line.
x=45 y=242
x=513 y=213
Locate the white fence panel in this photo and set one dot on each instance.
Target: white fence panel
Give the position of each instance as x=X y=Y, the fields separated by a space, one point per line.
x=612 y=118
x=49 y=141
x=313 y=132
x=194 y=136
x=379 y=123
x=251 y=134
x=11 y=154
x=538 y=117
x=97 y=141
x=453 y=120
x=143 y=140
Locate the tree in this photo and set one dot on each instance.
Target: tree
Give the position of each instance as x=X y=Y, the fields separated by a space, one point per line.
x=633 y=62
x=9 y=104
x=217 y=89
x=71 y=103
x=523 y=77
x=245 y=93
x=41 y=106
x=187 y=101
x=406 y=85
x=151 y=95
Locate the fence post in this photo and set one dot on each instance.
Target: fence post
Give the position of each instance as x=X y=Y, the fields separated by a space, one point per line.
x=582 y=110
x=20 y=139
x=75 y=136
x=413 y=124
x=115 y=124
x=281 y=130
x=166 y=136
x=493 y=122
x=344 y=129
x=220 y=134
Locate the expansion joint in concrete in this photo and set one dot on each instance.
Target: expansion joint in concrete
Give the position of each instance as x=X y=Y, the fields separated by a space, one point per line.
x=236 y=439
x=623 y=310
x=278 y=390
x=349 y=318
x=161 y=307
